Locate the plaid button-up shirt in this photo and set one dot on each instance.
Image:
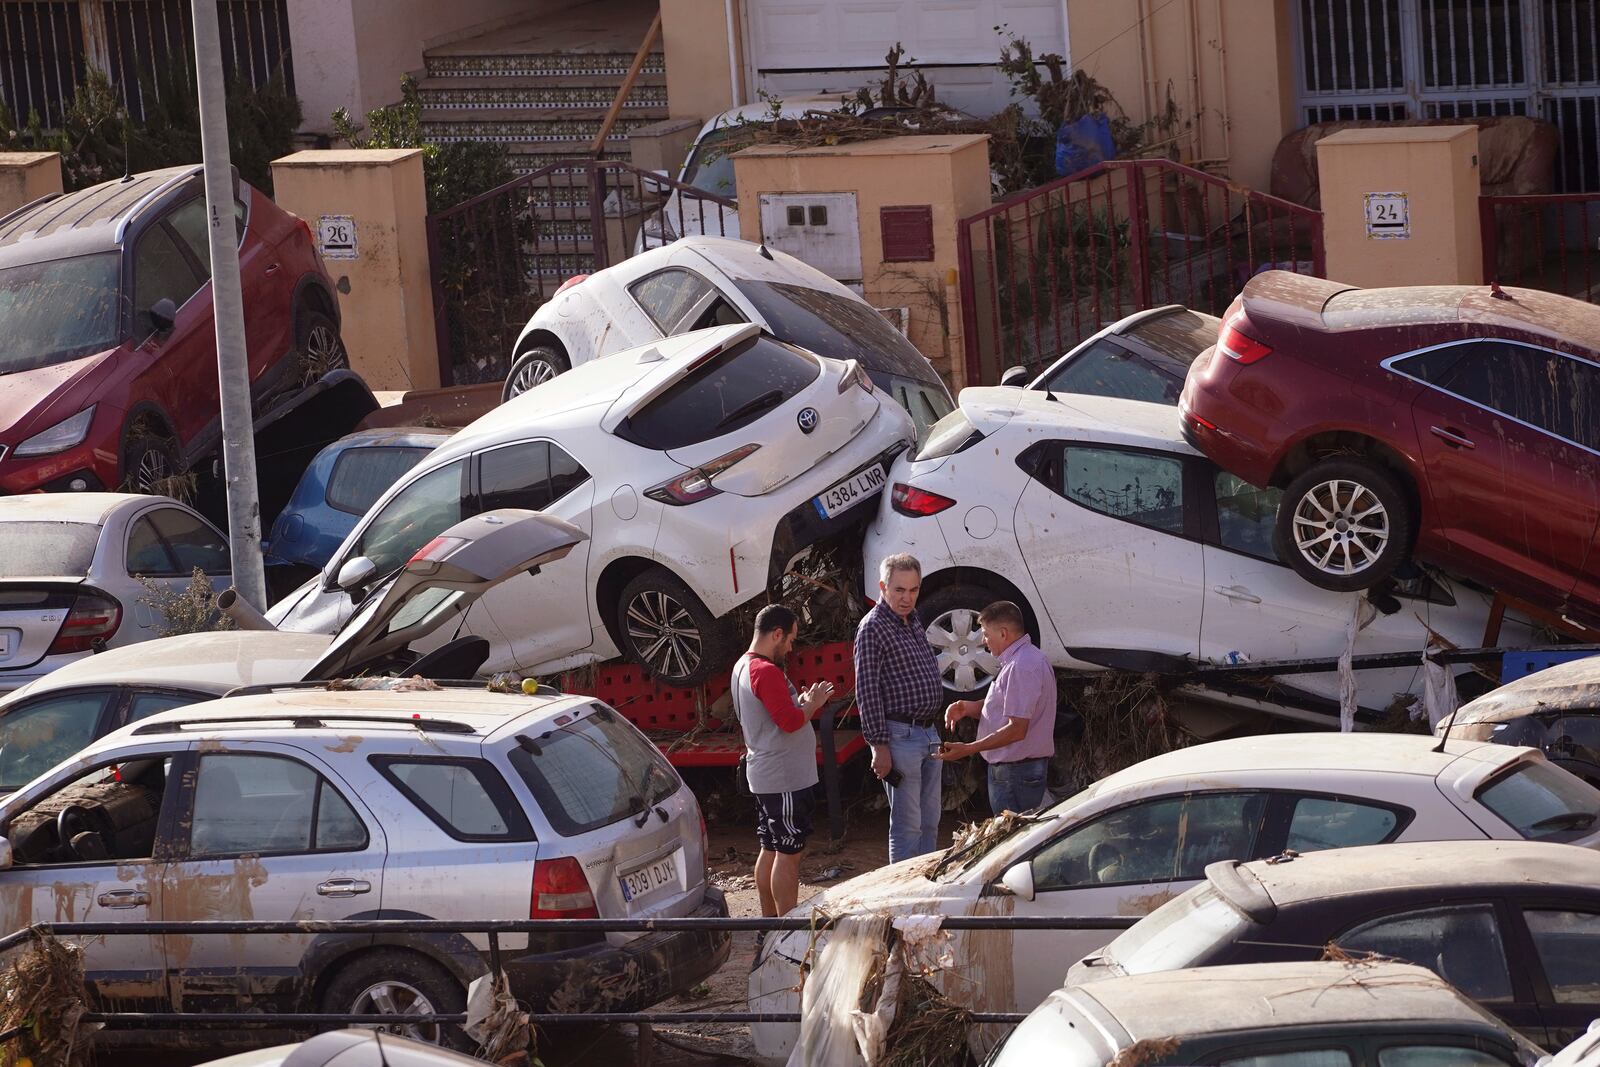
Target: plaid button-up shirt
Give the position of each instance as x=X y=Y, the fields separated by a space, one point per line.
x=896 y=672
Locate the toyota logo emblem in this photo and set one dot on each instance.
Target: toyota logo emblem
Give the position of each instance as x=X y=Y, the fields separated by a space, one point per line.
x=808 y=419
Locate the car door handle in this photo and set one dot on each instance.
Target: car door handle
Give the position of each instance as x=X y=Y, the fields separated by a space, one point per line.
x=124 y=898
x=343 y=887
x=1451 y=437
x=1234 y=592
x=272 y=268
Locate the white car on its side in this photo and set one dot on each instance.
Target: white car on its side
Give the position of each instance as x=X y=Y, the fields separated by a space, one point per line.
x=1127 y=548
x=709 y=281
x=700 y=466
x=1138 y=838
x=68 y=570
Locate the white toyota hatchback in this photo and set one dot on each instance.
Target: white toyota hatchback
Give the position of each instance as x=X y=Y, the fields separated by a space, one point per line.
x=1136 y=839
x=700 y=466
x=1126 y=548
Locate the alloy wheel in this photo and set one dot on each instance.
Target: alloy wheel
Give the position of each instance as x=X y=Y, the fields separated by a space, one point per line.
x=665 y=634
x=534 y=372
x=1341 y=527
x=324 y=352
x=153 y=470
x=964 y=664
x=400 y=1000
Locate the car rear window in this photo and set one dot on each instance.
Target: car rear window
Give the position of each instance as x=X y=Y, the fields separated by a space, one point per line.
x=1181 y=336
x=836 y=326
x=593 y=772
x=1178 y=934
x=729 y=391
x=466 y=798
x=1542 y=802
x=47 y=549
x=360 y=475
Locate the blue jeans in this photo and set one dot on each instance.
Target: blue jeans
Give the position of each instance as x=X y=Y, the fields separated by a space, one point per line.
x=1017 y=786
x=915 y=803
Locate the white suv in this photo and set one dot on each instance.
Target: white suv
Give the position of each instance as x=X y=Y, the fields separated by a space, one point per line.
x=700 y=466
x=306 y=803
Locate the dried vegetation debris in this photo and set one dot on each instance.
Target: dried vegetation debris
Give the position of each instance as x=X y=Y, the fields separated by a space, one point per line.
x=42 y=1004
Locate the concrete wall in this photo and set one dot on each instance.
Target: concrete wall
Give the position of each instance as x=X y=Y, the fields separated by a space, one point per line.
x=27 y=176
x=951 y=174
x=388 y=322
x=1437 y=168
x=695 y=37
x=353 y=53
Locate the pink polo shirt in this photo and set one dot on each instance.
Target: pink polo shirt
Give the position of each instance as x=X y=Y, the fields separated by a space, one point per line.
x=1025 y=688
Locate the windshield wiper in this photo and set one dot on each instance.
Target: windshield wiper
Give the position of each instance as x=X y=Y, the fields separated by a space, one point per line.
x=1567 y=820
x=769 y=399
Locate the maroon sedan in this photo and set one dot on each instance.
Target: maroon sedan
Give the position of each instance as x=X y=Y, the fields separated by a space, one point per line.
x=1459 y=424
x=108 y=359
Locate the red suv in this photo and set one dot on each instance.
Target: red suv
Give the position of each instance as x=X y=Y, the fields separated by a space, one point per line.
x=108 y=365
x=1460 y=424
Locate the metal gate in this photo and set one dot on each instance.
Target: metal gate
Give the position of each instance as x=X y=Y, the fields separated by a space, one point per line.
x=1046 y=268
x=1425 y=59
x=496 y=257
x=47 y=46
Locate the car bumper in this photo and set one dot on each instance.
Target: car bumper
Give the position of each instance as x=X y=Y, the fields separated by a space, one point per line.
x=806 y=526
x=629 y=977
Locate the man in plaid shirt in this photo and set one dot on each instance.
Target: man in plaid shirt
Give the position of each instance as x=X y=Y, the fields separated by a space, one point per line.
x=900 y=695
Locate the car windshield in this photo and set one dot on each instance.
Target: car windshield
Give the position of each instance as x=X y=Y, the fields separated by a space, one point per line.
x=710 y=166
x=837 y=326
x=593 y=772
x=59 y=310
x=1177 y=934
x=1543 y=802
x=723 y=394
x=47 y=549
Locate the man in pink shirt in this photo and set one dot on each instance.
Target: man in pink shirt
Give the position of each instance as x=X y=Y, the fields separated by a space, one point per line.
x=1017 y=717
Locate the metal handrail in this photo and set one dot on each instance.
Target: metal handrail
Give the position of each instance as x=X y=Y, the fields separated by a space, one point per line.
x=626 y=88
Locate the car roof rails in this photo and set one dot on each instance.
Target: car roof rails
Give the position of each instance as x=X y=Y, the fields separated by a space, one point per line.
x=307 y=722
x=333 y=686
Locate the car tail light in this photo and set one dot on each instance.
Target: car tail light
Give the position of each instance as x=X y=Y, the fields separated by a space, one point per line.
x=856 y=375
x=696 y=484
x=1240 y=346
x=909 y=500
x=435 y=552
x=570 y=282
x=92 y=618
x=560 y=891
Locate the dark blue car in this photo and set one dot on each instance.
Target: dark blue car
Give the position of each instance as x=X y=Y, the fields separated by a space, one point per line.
x=339 y=487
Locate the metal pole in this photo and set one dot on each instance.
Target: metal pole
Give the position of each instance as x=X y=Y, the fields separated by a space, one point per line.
x=233 y=371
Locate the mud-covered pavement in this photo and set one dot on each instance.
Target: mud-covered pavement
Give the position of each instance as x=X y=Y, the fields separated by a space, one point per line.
x=731 y=856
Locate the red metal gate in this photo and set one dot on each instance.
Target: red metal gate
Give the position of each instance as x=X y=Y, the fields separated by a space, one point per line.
x=1044 y=269
x=1545 y=241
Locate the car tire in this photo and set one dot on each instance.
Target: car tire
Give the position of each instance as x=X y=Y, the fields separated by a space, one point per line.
x=534 y=367
x=669 y=632
x=149 y=461
x=387 y=981
x=319 y=346
x=1315 y=514
x=950 y=614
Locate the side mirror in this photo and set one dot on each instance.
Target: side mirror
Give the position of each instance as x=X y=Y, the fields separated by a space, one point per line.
x=1016 y=376
x=355 y=572
x=163 y=314
x=1019 y=879
x=5 y=854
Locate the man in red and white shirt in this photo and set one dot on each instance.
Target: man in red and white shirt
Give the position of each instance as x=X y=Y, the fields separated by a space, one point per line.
x=780 y=754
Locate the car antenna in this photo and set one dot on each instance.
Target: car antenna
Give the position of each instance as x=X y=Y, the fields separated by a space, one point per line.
x=1497 y=292
x=764 y=253
x=127 y=154
x=383 y=1061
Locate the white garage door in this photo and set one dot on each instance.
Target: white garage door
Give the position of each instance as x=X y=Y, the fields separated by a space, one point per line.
x=800 y=45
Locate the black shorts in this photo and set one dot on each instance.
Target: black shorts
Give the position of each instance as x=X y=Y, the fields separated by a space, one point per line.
x=783 y=820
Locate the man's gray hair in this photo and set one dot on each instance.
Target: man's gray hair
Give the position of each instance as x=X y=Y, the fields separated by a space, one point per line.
x=900 y=561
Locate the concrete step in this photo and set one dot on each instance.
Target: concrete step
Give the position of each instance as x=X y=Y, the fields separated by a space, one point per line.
x=540 y=64
x=538 y=94
x=545 y=129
